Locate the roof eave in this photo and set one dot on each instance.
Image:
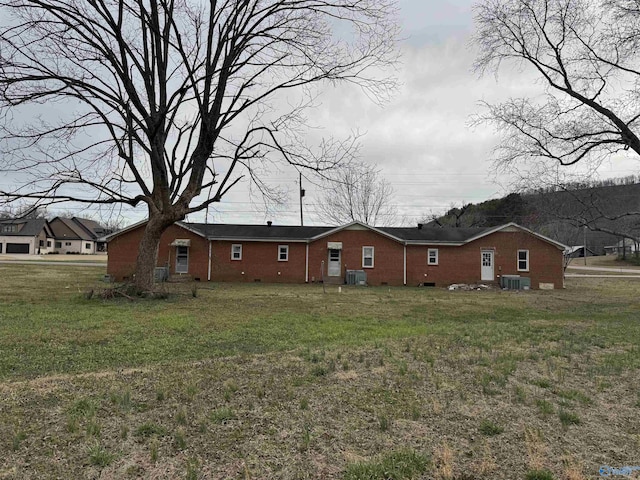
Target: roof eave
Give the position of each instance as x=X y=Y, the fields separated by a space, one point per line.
x=344 y=227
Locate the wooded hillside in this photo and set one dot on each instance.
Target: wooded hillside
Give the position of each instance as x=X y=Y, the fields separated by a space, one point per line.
x=606 y=208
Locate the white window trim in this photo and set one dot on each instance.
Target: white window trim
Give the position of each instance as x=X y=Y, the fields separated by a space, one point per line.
x=372 y=257
x=432 y=250
x=518 y=260
x=233 y=247
x=286 y=252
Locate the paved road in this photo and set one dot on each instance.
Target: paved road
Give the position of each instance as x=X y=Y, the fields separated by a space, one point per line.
x=606 y=269
x=587 y=275
x=36 y=262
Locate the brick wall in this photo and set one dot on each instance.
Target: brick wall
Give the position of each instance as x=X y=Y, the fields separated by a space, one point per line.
x=462 y=264
x=260 y=259
x=259 y=262
x=388 y=256
x=123 y=252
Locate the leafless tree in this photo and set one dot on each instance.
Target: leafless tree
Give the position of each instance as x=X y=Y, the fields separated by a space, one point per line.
x=170 y=103
x=357 y=193
x=585 y=54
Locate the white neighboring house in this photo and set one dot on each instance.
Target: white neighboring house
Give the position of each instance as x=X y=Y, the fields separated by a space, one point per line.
x=78 y=235
x=30 y=236
x=625 y=246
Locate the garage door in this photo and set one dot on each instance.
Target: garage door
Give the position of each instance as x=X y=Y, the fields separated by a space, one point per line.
x=17 y=248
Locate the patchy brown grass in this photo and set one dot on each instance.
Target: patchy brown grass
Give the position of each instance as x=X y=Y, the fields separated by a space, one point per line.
x=317 y=384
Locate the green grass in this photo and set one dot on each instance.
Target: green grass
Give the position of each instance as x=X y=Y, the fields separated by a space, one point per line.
x=59 y=331
x=399 y=465
x=489 y=428
x=284 y=381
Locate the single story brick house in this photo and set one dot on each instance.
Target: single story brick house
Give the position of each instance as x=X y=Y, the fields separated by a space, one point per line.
x=388 y=255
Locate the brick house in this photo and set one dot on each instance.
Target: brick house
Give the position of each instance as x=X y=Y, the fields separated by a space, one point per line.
x=389 y=256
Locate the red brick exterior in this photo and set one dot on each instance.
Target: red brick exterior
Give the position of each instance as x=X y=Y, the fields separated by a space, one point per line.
x=388 y=264
x=259 y=262
x=456 y=264
x=123 y=251
x=463 y=264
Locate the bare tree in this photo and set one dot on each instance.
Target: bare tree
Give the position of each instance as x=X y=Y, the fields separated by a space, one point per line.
x=171 y=103
x=357 y=193
x=585 y=53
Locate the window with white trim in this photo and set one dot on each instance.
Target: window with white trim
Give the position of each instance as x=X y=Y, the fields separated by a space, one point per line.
x=432 y=256
x=236 y=251
x=523 y=260
x=283 y=253
x=367 y=257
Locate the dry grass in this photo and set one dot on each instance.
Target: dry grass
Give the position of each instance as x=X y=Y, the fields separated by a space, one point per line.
x=259 y=381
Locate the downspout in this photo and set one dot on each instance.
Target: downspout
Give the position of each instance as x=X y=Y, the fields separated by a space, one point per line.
x=306 y=266
x=405 y=264
x=209 y=266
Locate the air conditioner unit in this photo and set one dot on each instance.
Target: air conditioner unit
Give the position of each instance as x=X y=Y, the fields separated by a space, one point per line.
x=356 y=277
x=515 y=282
x=161 y=274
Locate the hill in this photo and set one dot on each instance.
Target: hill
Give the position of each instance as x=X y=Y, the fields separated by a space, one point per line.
x=604 y=207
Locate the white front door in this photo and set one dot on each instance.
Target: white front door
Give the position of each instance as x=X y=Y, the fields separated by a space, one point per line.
x=486 y=272
x=335 y=267
x=182 y=259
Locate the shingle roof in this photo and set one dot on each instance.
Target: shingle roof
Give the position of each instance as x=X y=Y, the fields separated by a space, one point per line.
x=434 y=234
x=293 y=232
x=260 y=232
x=32 y=227
x=80 y=232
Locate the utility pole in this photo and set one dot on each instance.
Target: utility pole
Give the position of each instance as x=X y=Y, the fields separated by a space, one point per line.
x=301 y=195
x=584 y=248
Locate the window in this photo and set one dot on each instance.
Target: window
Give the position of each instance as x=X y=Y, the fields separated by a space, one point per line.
x=10 y=228
x=523 y=260
x=41 y=243
x=87 y=246
x=283 y=253
x=432 y=256
x=67 y=244
x=58 y=244
x=367 y=257
x=236 y=251
x=48 y=243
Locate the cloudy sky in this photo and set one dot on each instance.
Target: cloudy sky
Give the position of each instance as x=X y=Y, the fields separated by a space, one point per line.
x=421 y=140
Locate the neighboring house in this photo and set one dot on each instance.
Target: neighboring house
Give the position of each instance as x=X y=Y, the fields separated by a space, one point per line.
x=389 y=256
x=626 y=246
x=27 y=236
x=78 y=235
x=577 y=251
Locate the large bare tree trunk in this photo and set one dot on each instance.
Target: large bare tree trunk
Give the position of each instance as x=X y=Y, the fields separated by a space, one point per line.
x=148 y=250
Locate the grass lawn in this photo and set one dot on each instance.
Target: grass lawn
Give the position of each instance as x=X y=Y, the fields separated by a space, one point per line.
x=281 y=381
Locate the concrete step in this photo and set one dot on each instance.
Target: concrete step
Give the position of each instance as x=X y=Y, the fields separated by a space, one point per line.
x=334 y=280
x=177 y=278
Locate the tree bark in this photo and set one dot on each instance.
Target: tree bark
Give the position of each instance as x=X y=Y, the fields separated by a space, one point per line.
x=148 y=250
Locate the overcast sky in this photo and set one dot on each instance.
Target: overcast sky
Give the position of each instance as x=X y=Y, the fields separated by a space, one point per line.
x=421 y=141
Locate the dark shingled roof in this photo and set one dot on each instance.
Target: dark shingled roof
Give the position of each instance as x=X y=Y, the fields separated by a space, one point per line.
x=275 y=232
x=293 y=232
x=32 y=227
x=434 y=234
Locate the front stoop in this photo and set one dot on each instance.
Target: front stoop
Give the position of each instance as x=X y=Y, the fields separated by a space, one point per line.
x=334 y=280
x=177 y=278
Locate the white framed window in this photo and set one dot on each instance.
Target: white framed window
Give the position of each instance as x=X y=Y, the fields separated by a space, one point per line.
x=367 y=257
x=523 y=260
x=283 y=253
x=236 y=251
x=432 y=256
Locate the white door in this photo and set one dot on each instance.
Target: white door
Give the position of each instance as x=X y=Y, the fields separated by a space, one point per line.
x=335 y=267
x=486 y=272
x=182 y=259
